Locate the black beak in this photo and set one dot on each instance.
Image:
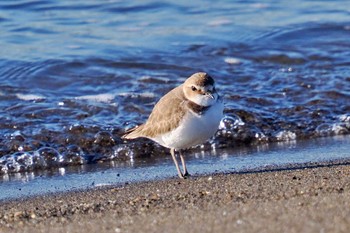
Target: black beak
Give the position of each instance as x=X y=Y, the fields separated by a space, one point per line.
x=210 y=95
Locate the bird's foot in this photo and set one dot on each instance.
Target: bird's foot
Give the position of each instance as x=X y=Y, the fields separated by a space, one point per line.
x=185 y=175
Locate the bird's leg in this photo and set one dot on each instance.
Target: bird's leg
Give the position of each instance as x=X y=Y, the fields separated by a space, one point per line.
x=172 y=152
x=185 y=173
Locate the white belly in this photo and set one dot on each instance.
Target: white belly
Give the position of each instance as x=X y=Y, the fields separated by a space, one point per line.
x=193 y=129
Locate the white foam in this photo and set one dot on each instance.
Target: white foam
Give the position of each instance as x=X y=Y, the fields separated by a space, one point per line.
x=29 y=97
x=338 y=129
x=229 y=122
x=286 y=136
x=107 y=97
x=232 y=60
x=137 y=95
x=344 y=118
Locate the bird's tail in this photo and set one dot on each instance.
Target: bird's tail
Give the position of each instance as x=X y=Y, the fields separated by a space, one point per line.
x=133 y=132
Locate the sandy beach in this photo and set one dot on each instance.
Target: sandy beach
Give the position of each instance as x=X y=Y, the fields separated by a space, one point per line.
x=304 y=200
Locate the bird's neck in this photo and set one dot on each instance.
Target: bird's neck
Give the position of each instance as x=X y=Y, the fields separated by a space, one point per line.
x=196 y=108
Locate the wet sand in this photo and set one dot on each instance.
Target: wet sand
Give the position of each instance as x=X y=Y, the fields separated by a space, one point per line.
x=304 y=200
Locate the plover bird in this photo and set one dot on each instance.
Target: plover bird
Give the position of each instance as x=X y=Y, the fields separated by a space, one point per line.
x=186 y=116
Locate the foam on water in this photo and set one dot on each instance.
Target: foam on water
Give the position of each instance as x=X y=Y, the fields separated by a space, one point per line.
x=104 y=98
x=29 y=97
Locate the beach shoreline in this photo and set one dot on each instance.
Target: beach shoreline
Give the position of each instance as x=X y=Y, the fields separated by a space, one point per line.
x=301 y=200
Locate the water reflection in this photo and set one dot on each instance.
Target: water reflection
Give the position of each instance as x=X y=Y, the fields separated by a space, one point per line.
x=243 y=158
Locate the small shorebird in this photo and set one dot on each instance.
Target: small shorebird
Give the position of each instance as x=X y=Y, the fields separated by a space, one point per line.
x=186 y=116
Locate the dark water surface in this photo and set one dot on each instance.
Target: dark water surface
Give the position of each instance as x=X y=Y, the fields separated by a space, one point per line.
x=75 y=74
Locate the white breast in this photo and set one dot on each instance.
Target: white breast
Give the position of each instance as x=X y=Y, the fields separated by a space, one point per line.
x=194 y=129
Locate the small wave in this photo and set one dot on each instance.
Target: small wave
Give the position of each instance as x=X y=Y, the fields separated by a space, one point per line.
x=104 y=98
x=138 y=95
x=41 y=159
x=29 y=97
x=285 y=136
x=232 y=60
x=298 y=32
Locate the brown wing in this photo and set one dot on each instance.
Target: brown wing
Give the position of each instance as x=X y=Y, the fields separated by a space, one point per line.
x=166 y=115
x=133 y=132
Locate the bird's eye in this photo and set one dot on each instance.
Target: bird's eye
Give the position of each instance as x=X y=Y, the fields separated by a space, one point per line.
x=194 y=88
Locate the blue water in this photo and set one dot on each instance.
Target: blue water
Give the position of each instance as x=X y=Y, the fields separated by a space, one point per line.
x=75 y=74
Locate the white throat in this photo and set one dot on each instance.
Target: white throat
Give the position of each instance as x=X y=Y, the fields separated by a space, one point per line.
x=204 y=100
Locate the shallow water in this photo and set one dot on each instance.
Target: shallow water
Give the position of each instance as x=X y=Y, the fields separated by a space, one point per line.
x=75 y=74
x=269 y=157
